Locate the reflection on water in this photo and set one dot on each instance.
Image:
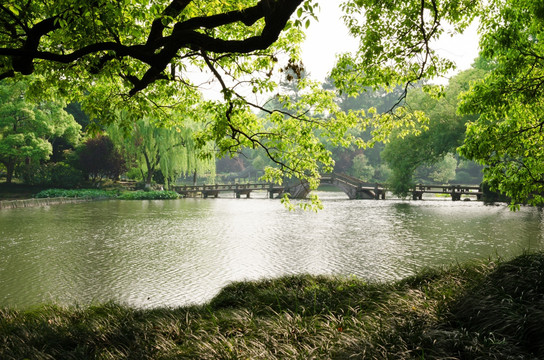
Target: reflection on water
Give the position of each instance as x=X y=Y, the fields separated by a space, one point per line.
x=170 y=253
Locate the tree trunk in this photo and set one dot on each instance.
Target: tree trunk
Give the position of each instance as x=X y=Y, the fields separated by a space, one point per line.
x=148 y=178
x=10 y=169
x=150 y=170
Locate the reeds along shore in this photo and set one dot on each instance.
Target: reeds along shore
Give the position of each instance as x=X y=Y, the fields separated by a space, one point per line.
x=485 y=310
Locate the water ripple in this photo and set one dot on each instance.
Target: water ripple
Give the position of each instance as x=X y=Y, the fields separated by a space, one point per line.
x=172 y=253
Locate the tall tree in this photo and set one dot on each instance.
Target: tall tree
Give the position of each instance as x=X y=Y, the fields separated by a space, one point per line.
x=27 y=128
x=508 y=135
x=440 y=136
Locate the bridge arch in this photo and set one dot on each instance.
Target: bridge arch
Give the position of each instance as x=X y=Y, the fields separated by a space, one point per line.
x=353 y=187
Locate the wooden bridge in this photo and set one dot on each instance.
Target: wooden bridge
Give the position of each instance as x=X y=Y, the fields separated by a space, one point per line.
x=353 y=187
x=238 y=189
x=455 y=191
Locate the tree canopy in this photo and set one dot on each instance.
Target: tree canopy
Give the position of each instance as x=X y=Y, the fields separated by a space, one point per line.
x=443 y=133
x=508 y=135
x=145 y=57
x=140 y=55
x=27 y=128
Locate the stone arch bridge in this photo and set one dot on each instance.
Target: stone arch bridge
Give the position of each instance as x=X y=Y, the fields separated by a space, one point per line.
x=353 y=187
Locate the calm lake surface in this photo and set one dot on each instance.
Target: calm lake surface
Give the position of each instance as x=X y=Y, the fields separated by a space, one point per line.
x=179 y=252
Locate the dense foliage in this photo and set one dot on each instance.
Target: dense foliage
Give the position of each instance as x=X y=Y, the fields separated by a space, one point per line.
x=80 y=193
x=28 y=128
x=508 y=135
x=141 y=56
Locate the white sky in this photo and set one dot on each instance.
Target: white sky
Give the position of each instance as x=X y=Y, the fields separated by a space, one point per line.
x=329 y=37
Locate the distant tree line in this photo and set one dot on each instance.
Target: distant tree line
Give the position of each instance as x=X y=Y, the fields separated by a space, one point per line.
x=44 y=143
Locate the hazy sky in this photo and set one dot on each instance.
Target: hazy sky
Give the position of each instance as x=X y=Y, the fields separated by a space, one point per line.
x=329 y=37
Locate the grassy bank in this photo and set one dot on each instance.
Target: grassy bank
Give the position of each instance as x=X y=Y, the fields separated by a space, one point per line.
x=486 y=310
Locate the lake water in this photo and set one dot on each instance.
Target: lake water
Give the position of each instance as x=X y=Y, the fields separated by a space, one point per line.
x=179 y=252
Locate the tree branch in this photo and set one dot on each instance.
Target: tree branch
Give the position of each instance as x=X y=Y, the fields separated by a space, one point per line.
x=185 y=34
x=175 y=8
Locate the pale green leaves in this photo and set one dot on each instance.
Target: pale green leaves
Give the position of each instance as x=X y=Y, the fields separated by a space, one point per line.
x=306 y=12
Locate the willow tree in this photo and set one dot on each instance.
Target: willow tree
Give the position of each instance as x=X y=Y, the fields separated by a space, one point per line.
x=172 y=150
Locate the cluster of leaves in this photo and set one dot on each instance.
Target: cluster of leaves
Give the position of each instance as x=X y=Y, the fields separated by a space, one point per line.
x=396 y=39
x=28 y=128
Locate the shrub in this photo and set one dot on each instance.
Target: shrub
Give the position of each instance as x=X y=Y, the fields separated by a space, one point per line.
x=83 y=193
x=57 y=175
x=64 y=176
x=149 y=195
x=34 y=174
x=109 y=194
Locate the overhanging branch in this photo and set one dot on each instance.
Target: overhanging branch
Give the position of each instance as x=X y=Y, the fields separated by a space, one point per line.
x=158 y=50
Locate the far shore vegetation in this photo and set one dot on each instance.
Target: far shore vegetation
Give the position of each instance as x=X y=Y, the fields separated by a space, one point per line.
x=21 y=191
x=109 y=194
x=490 y=309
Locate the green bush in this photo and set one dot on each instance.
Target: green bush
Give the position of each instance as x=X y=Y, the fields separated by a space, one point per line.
x=64 y=176
x=80 y=193
x=109 y=194
x=34 y=174
x=149 y=195
x=57 y=175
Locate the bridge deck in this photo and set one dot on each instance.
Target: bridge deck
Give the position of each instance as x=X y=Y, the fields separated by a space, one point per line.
x=353 y=187
x=238 y=189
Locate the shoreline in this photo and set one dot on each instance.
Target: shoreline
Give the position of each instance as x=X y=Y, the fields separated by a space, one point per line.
x=482 y=309
x=35 y=202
